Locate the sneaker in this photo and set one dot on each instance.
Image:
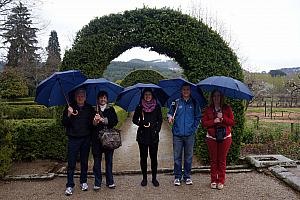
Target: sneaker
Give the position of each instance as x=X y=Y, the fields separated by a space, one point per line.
x=188 y=181
x=177 y=182
x=144 y=182
x=213 y=186
x=96 y=187
x=220 y=186
x=84 y=186
x=69 y=191
x=112 y=186
x=155 y=182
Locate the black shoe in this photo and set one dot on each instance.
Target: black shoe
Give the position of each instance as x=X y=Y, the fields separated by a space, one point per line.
x=144 y=182
x=155 y=182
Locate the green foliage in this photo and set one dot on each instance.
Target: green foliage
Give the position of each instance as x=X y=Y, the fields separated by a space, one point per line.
x=6 y=145
x=142 y=76
x=122 y=116
x=28 y=112
x=38 y=139
x=199 y=51
x=12 y=85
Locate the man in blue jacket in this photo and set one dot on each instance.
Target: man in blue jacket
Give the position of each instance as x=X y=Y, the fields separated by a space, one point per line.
x=185 y=115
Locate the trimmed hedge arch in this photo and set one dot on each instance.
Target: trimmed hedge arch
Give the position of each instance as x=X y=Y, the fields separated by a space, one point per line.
x=199 y=50
x=142 y=76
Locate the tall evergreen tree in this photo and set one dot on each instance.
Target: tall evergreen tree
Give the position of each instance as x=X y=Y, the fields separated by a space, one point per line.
x=53 y=49
x=21 y=35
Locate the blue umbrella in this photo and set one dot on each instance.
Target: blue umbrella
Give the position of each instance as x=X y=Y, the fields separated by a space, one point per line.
x=173 y=88
x=228 y=86
x=131 y=96
x=52 y=91
x=93 y=86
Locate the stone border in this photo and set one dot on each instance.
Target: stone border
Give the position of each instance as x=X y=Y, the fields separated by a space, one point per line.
x=283 y=174
x=45 y=176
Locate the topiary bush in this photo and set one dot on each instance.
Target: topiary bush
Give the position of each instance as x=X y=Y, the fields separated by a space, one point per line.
x=38 y=139
x=200 y=51
x=142 y=76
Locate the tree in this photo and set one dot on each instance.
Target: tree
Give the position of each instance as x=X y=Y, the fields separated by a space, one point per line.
x=12 y=84
x=22 y=38
x=275 y=73
x=21 y=35
x=53 y=49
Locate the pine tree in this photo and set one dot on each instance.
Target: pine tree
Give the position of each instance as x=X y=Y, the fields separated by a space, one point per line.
x=53 y=49
x=21 y=35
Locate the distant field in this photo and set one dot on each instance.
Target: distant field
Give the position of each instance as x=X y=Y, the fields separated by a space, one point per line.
x=262 y=109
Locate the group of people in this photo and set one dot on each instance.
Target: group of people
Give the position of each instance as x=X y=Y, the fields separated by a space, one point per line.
x=184 y=115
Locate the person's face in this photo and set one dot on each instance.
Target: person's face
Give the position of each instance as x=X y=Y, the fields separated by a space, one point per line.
x=186 y=91
x=102 y=100
x=80 y=98
x=148 y=96
x=217 y=98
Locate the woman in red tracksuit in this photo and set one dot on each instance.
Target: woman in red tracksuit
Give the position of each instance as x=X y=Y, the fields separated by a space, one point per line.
x=216 y=115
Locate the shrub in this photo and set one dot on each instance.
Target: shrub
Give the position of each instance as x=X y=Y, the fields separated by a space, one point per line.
x=142 y=76
x=6 y=145
x=28 y=112
x=38 y=139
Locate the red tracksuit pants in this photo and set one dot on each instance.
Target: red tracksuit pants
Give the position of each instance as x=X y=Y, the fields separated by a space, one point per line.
x=217 y=154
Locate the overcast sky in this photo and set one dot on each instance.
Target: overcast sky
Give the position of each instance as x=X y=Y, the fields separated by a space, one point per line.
x=265 y=34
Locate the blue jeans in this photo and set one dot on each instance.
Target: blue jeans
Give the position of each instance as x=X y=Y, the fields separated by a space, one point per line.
x=186 y=144
x=76 y=145
x=108 y=167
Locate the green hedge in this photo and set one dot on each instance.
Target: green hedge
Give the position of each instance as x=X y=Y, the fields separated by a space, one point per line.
x=28 y=112
x=142 y=76
x=38 y=139
x=6 y=144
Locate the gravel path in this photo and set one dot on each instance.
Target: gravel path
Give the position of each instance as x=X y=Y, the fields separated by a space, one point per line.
x=248 y=186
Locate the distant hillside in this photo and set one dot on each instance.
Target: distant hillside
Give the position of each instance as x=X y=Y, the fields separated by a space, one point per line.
x=117 y=70
x=290 y=71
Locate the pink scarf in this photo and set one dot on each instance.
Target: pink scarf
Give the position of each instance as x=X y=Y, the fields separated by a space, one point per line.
x=148 y=106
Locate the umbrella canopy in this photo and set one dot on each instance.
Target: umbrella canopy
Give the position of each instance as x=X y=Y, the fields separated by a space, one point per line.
x=52 y=91
x=131 y=96
x=173 y=88
x=228 y=86
x=93 y=86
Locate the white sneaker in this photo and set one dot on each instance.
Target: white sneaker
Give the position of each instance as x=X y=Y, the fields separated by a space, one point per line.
x=84 y=186
x=177 y=182
x=213 y=186
x=96 y=187
x=220 y=186
x=112 y=186
x=69 y=191
x=188 y=181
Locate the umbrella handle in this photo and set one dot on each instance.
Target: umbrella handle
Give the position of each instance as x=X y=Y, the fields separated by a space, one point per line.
x=147 y=125
x=75 y=112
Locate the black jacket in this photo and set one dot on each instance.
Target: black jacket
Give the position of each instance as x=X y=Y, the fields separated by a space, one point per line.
x=79 y=125
x=110 y=114
x=148 y=135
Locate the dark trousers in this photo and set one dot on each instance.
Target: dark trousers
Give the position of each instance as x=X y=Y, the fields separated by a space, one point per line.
x=78 y=145
x=108 y=167
x=153 y=148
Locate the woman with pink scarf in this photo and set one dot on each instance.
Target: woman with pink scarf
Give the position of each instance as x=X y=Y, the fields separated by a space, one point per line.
x=148 y=117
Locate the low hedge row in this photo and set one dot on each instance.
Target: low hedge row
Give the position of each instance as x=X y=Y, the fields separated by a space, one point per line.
x=38 y=139
x=30 y=139
x=28 y=112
